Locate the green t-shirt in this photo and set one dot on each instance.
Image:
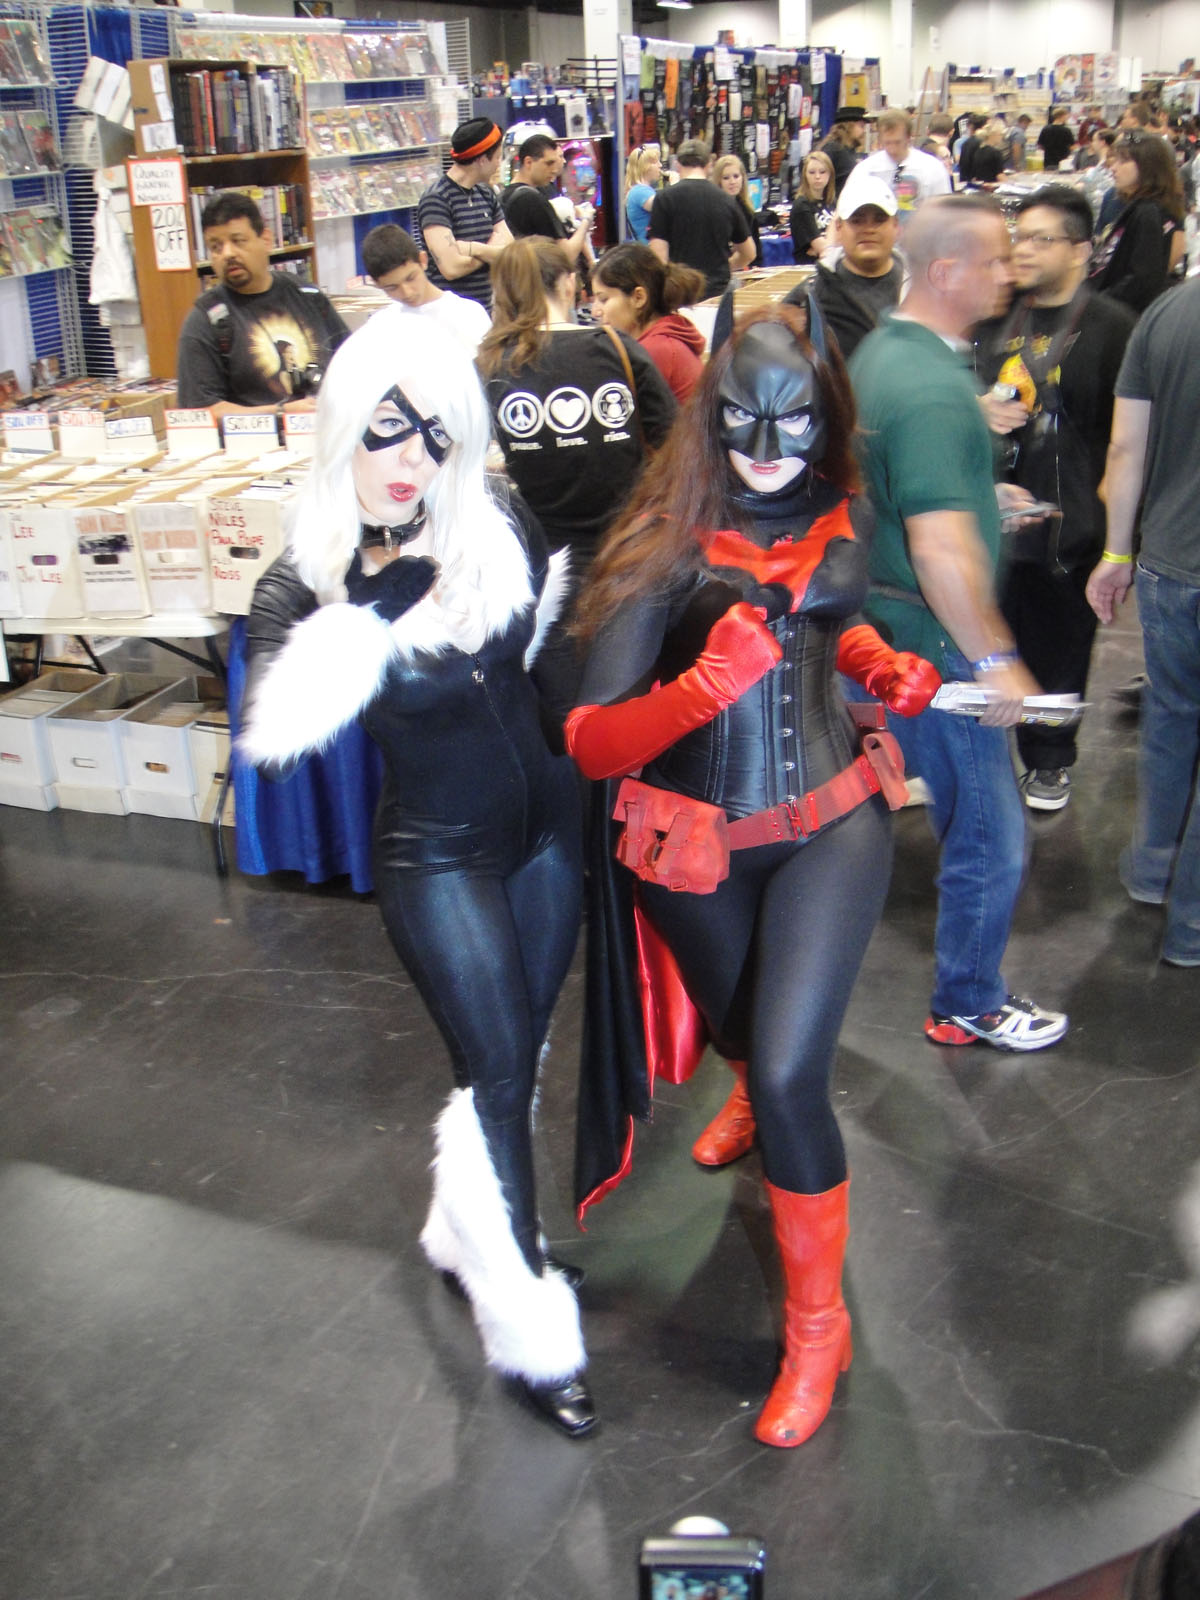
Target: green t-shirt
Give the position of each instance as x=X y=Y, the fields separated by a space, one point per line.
x=923 y=446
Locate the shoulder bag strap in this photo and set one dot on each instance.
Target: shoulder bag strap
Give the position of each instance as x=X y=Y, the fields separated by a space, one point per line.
x=627 y=366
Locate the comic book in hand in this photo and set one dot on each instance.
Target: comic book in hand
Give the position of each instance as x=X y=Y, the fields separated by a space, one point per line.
x=39 y=136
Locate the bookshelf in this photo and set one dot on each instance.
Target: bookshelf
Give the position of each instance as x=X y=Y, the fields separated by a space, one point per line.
x=201 y=116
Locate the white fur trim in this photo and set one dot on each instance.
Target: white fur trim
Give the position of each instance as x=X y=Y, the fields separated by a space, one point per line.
x=332 y=663
x=483 y=583
x=529 y=1325
x=550 y=602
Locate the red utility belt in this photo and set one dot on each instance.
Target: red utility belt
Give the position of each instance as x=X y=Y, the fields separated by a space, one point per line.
x=684 y=844
x=879 y=770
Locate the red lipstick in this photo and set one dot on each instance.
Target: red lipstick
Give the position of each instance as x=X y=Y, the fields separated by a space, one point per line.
x=401 y=492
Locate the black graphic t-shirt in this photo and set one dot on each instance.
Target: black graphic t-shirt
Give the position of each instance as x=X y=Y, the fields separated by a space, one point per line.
x=250 y=348
x=568 y=426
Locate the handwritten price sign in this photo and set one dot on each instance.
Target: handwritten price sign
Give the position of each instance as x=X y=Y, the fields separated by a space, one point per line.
x=171 y=253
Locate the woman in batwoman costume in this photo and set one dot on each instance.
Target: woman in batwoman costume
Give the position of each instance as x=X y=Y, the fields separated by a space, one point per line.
x=415 y=594
x=719 y=613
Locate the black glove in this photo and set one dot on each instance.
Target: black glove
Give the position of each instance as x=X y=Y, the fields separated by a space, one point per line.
x=395 y=588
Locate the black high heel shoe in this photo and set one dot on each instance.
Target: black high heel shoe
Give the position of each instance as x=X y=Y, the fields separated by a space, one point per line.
x=568 y=1405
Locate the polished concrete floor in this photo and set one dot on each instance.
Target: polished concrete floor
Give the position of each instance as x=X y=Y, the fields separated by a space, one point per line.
x=227 y=1372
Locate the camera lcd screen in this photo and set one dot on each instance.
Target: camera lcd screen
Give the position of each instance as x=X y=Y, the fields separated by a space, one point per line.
x=697 y=1583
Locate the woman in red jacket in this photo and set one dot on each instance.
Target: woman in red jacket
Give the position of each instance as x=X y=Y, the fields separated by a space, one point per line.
x=719 y=614
x=636 y=293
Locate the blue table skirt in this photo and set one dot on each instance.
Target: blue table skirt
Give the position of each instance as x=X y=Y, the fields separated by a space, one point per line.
x=776 y=250
x=319 y=820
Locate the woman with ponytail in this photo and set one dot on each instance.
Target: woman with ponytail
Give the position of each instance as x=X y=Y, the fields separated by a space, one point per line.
x=636 y=293
x=575 y=410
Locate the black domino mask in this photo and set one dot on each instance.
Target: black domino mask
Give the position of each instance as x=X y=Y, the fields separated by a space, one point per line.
x=437 y=440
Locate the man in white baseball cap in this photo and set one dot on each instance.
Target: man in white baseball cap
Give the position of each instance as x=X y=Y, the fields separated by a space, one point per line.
x=864 y=275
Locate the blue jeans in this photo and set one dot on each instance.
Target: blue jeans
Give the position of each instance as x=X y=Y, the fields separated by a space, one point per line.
x=1163 y=860
x=979 y=820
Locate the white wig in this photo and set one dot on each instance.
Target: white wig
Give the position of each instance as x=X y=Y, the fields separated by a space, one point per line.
x=483 y=575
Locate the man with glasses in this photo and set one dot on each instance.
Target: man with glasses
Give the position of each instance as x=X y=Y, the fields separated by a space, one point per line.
x=1060 y=348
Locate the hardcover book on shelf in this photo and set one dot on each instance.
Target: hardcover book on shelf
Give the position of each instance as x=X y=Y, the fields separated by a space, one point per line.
x=16 y=158
x=39 y=136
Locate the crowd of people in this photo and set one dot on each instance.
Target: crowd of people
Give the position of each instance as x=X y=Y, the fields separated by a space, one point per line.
x=685 y=647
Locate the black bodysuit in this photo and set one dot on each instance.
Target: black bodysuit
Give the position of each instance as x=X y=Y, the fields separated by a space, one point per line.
x=477 y=857
x=769 y=958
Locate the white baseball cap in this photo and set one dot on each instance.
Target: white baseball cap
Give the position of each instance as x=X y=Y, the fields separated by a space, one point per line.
x=865 y=190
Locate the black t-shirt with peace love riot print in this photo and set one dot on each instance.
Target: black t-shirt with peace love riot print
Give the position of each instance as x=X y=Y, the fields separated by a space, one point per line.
x=570 y=434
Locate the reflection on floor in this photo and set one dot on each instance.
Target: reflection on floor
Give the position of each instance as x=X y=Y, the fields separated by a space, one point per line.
x=228 y=1372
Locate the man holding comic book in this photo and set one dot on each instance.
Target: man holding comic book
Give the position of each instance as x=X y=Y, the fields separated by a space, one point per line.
x=260 y=340
x=932 y=565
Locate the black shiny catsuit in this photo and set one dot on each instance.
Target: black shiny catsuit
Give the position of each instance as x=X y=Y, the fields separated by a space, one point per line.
x=476 y=861
x=770 y=957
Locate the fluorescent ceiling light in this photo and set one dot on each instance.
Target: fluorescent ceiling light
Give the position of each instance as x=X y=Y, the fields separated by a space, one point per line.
x=674 y=5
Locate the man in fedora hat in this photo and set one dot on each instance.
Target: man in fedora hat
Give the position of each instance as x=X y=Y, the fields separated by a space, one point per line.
x=845 y=142
x=459 y=219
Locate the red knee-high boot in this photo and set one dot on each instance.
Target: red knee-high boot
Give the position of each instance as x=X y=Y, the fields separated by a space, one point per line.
x=731 y=1132
x=811 y=1230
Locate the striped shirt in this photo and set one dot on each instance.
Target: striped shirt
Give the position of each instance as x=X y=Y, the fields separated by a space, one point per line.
x=469 y=214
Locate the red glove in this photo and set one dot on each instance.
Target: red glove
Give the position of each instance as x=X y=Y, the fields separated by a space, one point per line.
x=608 y=740
x=906 y=683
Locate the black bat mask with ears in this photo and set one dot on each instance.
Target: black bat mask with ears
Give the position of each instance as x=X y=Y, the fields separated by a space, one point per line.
x=771 y=405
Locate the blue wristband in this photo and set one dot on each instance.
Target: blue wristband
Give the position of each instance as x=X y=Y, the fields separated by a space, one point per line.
x=1002 y=658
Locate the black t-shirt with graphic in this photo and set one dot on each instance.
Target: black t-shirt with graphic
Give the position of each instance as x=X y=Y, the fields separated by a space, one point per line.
x=1061 y=455
x=270 y=338
x=570 y=436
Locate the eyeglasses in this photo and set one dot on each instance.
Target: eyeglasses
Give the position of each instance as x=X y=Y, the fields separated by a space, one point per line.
x=1041 y=241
